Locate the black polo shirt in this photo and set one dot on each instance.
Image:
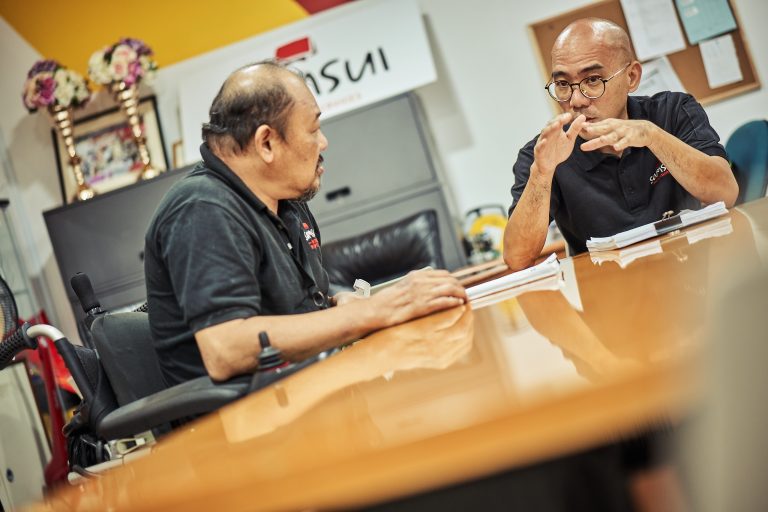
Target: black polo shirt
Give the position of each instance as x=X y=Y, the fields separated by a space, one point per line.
x=595 y=194
x=214 y=252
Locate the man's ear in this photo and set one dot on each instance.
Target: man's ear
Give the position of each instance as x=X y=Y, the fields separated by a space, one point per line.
x=264 y=143
x=635 y=73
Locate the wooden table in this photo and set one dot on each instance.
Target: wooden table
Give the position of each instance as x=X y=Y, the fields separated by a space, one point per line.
x=469 y=392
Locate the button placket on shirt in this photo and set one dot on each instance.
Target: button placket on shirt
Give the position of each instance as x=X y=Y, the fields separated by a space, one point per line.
x=628 y=186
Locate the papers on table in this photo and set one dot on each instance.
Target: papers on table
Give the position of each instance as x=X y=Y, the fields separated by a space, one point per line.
x=658 y=76
x=704 y=19
x=721 y=63
x=688 y=217
x=640 y=233
x=622 y=239
x=720 y=228
x=626 y=256
x=553 y=282
x=547 y=268
x=653 y=27
x=623 y=257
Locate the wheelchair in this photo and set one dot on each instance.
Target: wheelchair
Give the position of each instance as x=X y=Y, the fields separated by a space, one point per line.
x=125 y=402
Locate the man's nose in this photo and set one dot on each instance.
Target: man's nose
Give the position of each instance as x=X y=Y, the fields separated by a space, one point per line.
x=323 y=142
x=578 y=100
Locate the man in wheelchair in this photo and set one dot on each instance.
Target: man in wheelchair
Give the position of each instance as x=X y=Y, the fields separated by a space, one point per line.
x=232 y=257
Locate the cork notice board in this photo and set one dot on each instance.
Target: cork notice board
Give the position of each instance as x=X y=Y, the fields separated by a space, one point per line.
x=687 y=63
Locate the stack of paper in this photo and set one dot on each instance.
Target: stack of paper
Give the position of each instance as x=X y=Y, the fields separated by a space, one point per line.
x=547 y=268
x=622 y=239
x=626 y=256
x=638 y=234
x=720 y=228
x=553 y=282
x=689 y=217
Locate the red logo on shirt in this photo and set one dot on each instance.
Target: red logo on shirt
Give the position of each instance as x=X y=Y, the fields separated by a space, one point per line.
x=309 y=236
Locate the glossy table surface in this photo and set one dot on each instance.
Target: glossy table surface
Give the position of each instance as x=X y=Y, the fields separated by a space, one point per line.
x=606 y=349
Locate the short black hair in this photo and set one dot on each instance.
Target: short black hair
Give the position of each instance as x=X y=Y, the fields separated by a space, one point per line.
x=237 y=112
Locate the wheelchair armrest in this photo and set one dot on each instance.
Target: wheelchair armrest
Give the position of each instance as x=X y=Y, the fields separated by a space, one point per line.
x=197 y=396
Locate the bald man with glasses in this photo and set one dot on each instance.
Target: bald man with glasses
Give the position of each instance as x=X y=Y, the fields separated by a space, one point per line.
x=610 y=162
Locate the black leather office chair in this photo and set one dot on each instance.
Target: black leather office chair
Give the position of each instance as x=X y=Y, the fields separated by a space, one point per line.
x=384 y=253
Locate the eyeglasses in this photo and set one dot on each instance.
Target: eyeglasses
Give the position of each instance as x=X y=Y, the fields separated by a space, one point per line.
x=591 y=87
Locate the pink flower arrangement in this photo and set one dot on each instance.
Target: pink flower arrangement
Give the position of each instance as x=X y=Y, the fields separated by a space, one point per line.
x=129 y=61
x=50 y=84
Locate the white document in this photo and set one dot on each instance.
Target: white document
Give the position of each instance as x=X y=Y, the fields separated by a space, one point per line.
x=553 y=282
x=622 y=239
x=689 y=217
x=626 y=256
x=720 y=228
x=658 y=76
x=547 y=268
x=646 y=231
x=720 y=61
x=653 y=27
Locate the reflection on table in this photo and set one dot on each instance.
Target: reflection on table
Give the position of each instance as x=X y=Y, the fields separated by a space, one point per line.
x=529 y=374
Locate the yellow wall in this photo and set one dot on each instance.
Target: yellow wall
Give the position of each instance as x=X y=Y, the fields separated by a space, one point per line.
x=71 y=30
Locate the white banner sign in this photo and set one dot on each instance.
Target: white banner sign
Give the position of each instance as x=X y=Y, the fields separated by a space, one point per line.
x=352 y=55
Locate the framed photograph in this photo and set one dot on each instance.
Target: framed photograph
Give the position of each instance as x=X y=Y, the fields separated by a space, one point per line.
x=110 y=157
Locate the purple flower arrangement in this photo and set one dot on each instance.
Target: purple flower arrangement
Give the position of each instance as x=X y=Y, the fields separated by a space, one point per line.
x=50 y=84
x=129 y=61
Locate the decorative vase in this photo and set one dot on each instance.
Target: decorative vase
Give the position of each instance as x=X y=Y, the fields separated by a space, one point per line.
x=62 y=118
x=128 y=98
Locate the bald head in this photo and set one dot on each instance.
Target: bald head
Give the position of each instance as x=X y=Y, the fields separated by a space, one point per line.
x=253 y=95
x=588 y=32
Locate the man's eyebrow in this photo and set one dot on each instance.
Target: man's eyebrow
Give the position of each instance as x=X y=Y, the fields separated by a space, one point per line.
x=592 y=67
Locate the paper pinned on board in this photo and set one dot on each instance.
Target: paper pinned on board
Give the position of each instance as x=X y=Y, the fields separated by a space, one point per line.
x=720 y=61
x=658 y=76
x=653 y=27
x=705 y=19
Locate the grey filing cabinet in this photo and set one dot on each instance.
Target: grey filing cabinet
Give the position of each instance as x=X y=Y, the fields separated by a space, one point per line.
x=380 y=169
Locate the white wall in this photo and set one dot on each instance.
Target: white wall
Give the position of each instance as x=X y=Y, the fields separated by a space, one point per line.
x=29 y=178
x=488 y=102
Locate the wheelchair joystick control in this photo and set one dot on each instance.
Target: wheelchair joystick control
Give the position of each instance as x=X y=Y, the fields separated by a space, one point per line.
x=83 y=288
x=270 y=358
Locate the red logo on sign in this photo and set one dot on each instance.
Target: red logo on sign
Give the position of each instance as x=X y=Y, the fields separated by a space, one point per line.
x=295 y=50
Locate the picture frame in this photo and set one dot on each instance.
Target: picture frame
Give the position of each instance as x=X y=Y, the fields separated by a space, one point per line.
x=108 y=151
x=177 y=150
